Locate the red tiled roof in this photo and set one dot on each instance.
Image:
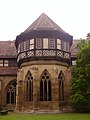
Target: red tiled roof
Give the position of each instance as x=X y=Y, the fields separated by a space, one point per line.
x=8 y=70
x=7 y=49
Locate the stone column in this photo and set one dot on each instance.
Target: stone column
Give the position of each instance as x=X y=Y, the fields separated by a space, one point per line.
x=19 y=92
x=68 y=84
x=19 y=96
x=55 y=93
x=35 y=88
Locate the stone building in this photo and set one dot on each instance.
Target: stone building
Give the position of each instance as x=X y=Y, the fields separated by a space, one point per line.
x=35 y=68
x=8 y=74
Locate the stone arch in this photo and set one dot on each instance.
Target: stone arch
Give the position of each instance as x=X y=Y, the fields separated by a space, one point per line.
x=61 y=82
x=29 y=86
x=11 y=92
x=45 y=86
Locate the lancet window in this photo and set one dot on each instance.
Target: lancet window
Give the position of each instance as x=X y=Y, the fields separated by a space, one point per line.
x=45 y=87
x=29 y=87
x=11 y=92
x=61 y=86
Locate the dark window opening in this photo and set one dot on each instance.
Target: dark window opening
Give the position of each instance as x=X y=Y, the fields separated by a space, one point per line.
x=45 y=87
x=49 y=90
x=41 y=90
x=29 y=87
x=11 y=93
x=61 y=86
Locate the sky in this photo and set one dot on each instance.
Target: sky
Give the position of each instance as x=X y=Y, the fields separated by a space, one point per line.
x=73 y=16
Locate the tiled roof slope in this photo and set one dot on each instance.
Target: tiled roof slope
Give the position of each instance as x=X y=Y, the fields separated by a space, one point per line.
x=43 y=22
x=8 y=70
x=74 y=50
x=7 y=49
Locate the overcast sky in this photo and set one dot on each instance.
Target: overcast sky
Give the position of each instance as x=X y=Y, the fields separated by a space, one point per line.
x=73 y=16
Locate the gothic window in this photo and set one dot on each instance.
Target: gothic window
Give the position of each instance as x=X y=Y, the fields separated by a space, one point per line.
x=61 y=86
x=11 y=93
x=45 y=87
x=51 y=43
x=58 y=44
x=39 y=43
x=29 y=87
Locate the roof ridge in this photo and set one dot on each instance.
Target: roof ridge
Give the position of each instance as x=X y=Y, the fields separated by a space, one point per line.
x=38 y=22
x=49 y=21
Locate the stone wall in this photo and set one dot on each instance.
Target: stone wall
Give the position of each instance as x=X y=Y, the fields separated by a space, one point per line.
x=36 y=68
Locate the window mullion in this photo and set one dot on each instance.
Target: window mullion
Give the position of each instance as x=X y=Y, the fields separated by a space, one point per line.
x=31 y=90
x=10 y=97
x=47 y=91
x=61 y=90
x=43 y=91
x=14 y=96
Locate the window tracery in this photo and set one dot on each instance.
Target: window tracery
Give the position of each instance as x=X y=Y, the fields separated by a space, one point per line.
x=29 y=87
x=45 y=87
x=61 y=86
x=11 y=93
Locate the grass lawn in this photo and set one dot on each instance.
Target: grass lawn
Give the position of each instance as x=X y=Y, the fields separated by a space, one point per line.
x=65 y=116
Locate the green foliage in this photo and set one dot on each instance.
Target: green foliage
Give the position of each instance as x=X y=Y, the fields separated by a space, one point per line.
x=81 y=79
x=79 y=102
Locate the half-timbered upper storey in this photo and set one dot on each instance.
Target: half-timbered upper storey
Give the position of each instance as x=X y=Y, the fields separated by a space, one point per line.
x=43 y=39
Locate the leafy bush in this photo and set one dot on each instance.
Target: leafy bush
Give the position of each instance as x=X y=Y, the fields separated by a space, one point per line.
x=80 y=99
x=79 y=103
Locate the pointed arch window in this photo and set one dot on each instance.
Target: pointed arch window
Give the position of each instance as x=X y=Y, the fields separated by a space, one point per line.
x=61 y=86
x=11 y=92
x=45 y=87
x=29 y=87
